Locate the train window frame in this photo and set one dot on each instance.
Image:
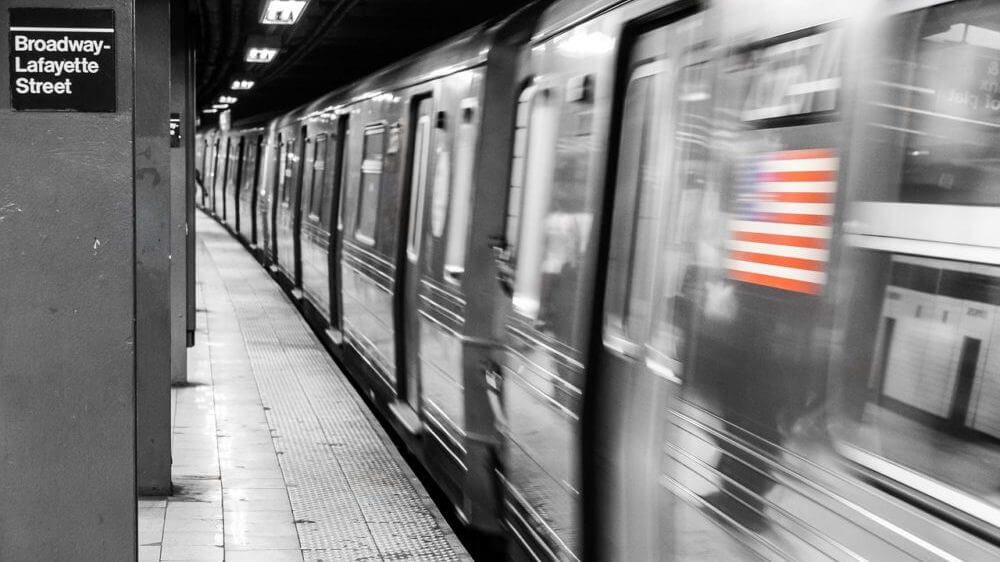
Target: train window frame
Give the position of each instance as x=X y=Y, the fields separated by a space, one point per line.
x=739 y=57
x=459 y=213
x=371 y=129
x=320 y=151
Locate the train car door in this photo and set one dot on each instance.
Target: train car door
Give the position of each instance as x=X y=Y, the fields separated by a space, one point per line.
x=657 y=178
x=407 y=346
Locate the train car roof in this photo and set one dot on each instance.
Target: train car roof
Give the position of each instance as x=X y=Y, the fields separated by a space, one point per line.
x=740 y=21
x=466 y=50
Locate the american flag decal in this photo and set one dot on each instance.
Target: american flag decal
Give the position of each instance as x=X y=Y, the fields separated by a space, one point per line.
x=780 y=232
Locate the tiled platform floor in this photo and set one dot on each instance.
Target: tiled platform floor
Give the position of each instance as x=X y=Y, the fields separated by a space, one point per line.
x=275 y=456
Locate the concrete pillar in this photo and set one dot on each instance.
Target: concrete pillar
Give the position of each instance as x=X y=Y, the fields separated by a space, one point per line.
x=179 y=160
x=67 y=319
x=190 y=117
x=152 y=245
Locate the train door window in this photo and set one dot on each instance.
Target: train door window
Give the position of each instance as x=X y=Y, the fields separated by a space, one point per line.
x=461 y=200
x=318 y=176
x=517 y=168
x=282 y=165
x=639 y=183
x=371 y=179
x=539 y=167
x=418 y=177
x=677 y=245
x=249 y=167
x=920 y=385
x=290 y=173
x=308 y=171
x=215 y=167
x=333 y=164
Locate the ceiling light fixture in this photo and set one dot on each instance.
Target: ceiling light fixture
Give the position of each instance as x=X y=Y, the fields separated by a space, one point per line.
x=220 y=105
x=261 y=54
x=242 y=84
x=209 y=110
x=282 y=12
x=227 y=99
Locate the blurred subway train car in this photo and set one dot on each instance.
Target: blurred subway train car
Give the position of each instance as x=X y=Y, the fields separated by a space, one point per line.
x=652 y=280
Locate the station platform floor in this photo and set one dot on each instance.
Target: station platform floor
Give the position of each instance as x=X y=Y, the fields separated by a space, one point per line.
x=275 y=456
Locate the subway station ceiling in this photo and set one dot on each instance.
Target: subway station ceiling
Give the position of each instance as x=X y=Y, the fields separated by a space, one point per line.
x=331 y=43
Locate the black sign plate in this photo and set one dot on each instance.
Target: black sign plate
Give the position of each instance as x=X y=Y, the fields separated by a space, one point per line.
x=62 y=59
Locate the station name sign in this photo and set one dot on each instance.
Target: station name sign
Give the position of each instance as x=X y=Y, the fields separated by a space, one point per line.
x=62 y=59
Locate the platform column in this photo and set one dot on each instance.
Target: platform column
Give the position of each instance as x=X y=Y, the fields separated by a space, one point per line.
x=152 y=245
x=181 y=149
x=67 y=290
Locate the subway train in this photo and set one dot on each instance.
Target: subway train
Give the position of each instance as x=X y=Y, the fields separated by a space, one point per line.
x=654 y=280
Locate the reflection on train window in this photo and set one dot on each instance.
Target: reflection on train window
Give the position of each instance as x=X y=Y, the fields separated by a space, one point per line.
x=539 y=167
x=249 y=167
x=371 y=177
x=461 y=201
x=418 y=178
x=673 y=306
x=291 y=174
x=796 y=77
x=318 y=174
x=937 y=104
x=640 y=178
x=282 y=165
x=517 y=169
x=566 y=227
x=933 y=385
x=330 y=181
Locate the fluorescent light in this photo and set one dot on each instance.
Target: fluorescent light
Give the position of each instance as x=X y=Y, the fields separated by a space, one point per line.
x=282 y=12
x=227 y=99
x=242 y=84
x=209 y=110
x=261 y=54
x=220 y=105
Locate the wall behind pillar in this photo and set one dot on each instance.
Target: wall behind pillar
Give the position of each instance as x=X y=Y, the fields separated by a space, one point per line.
x=67 y=413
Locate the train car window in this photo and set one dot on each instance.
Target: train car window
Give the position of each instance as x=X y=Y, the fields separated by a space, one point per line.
x=418 y=178
x=318 y=176
x=517 y=168
x=918 y=382
x=461 y=200
x=539 y=167
x=371 y=178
